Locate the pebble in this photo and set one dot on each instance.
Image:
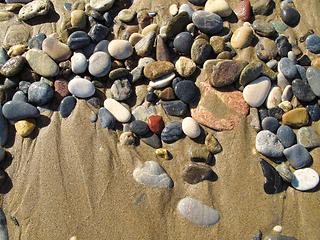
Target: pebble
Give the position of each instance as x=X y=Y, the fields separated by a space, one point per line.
x=269 y=144
x=79 y=63
x=263 y=28
x=40 y=93
x=136 y=74
x=16 y=50
x=287 y=93
x=4 y=229
x=78 y=19
x=287 y=68
x=4 y=130
x=94 y=102
x=174 y=108
x=185 y=66
x=282 y=81
x=162 y=82
x=101 y=5
x=207 y=22
x=102 y=46
x=139 y=127
x=314 y=111
x=118 y=73
x=13 y=66
x=270 y=123
x=78 y=39
x=290 y=16
x=212 y=144
x=61 y=88
x=152 y=140
x=266 y=71
x=183 y=42
x=2 y=154
x=3 y=56
x=98 y=32
x=186 y=91
x=198 y=213
x=158 y=69
x=143 y=112
x=25 y=127
x=242 y=37
x=120 y=113
x=120 y=49
x=150 y=28
x=296 y=118
x=283 y=45
x=217 y=44
x=284 y=172
x=250 y=72
x=313 y=43
x=305 y=179
x=262 y=7
x=162 y=51
x=274 y=97
x=220 y=7
x=197 y=2
x=286 y=136
x=155 y=124
x=302 y=90
x=173 y=9
x=186 y=8
x=81 y=87
x=273 y=182
x=23 y=86
x=99 y=64
x=34 y=9
x=307 y=137
x=152 y=174
x=67 y=105
x=126 y=15
x=273 y=64
x=313 y=77
x=190 y=127
x=57 y=50
x=127 y=138
x=145 y=61
x=200 y=51
x=152 y=97
x=200 y=154
x=145 y=46
x=177 y=24
x=172 y=132
x=266 y=49
x=297 y=155
x=292 y=57
x=20 y=97
x=195 y=173
x=163 y=154
x=16 y=34
x=279 y=26
x=106 y=118
x=19 y=110
x=257 y=91
x=243 y=10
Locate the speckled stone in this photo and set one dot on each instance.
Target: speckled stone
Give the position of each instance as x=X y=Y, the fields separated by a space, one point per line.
x=296 y=118
x=290 y=16
x=268 y=144
x=313 y=43
x=34 y=9
x=195 y=173
x=262 y=7
x=207 y=22
x=185 y=66
x=308 y=137
x=263 y=28
x=25 y=127
x=158 y=69
x=279 y=26
x=243 y=10
x=266 y=49
x=297 y=155
x=302 y=90
x=67 y=105
x=200 y=154
x=177 y=24
x=40 y=93
x=314 y=111
x=121 y=89
x=13 y=66
x=212 y=144
x=155 y=124
x=276 y=112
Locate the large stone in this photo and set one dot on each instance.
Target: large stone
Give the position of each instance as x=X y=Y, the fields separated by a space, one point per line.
x=177 y=24
x=57 y=50
x=81 y=87
x=296 y=118
x=256 y=92
x=19 y=110
x=207 y=22
x=33 y=9
x=308 y=137
x=269 y=144
x=158 y=69
x=40 y=93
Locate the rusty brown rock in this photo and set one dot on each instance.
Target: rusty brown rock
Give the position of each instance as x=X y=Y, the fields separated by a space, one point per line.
x=167 y=94
x=61 y=88
x=195 y=173
x=296 y=118
x=242 y=10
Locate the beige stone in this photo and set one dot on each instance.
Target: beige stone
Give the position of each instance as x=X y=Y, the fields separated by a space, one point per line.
x=242 y=37
x=16 y=50
x=185 y=66
x=135 y=37
x=78 y=19
x=57 y=50
x=33 y=9
x=220 y=7
x=149 y=28
x=25 y=127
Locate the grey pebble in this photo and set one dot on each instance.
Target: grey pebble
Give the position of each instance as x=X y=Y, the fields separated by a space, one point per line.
x=297 y=155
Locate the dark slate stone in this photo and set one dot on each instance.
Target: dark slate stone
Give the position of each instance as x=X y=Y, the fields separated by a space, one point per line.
x=302 y=90
x=172 y=132
x=197 y=2
x=283 y=46
x=19 y=96
x=78 y=39
x=273 y=182
x=314 y=111
x=98 y=32
x=177 y=24
x=270 y=123
x=263 y=113
x=175 y=81
x=313 y=43
x=102 y=46
x=174 y=108
x=36 y=41
x=40 y=93
x=302 y=72
x=183 y=42
x=106 y=118
x=263 y=28
x=186 y=91
x=12 y=81
x=139 y=127
x=304 y=61
x=286 y=136
x=278 y=237
x=19 y=110
x=290 y=16
x=67 y=105
x=297 y=155
x=3 y=56
x=151 y=97
x=152 y=140
x=96 y=15
x=95 y=102
x=108 y=19
x=207 y=22
x=276 y=112
x=4 y=130
x=288 y=68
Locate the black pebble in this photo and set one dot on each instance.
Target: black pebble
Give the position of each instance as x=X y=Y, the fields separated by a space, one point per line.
x=139 y=127
x=276 y=113
x=67 y=105
x=270 y=123
x=283 y=46
x=186 y=91
x=151 y=97
x=290 y=16
x=273 y=182
x=314 y=111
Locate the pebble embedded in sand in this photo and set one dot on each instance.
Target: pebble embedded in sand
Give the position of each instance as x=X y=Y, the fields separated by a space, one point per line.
x=269 y=144
x=220 y=7
x=120 y=113
x=67 y=105
x=305 y=179
x=195 y=173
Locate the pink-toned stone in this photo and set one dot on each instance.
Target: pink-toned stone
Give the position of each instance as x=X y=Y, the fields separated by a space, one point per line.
x=242 y=10
x=156 y=124
x=61 y=88
x=57 y=50
x=219 y=109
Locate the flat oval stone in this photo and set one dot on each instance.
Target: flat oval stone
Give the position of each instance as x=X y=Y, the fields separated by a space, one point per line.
x=118 y=73
x=313 y=77
x=36 y=41
x=4 y=130
x=190 y=127
x=257 y=91
x=296 y=118
x=268 y=144
x=302 y=90
x=19 y=110
x=13 y=66
x=33 y=9
x=40 y=93
x=266 y=49
x=152 y=174
x=283 y=45
x=242 y=37
x=287 y=68
x=263 y=28
x=155 y=124
x=186 y=91
x=99 y=64
x=198 y=213
x=270 y=123
x=121 y=89
x=177 y=24
x=207 y=22
x=126 y=15
x=155 y=70
x=200 y=50
x=41 y=63
x=120 y=49
x=98 y=32
x=273 y=182
x=195 y=173
x=313 y=43
x=152 y=140
x=314 y=111
x=67 y=105
x=297 y=155
x=174 y=108
x=290 y=16
x=172 y=132
x=78 y=39
x=81 y=87
x=183 y=42
x=307 y=137
x=305 y=179
x=212 y=144
x=286 y=136
x=250 y=72
x=120 y=113
x=139 y=127
x=185 y=66
x=101 y=5
x=106 y=118
x=79 y=63
x=274 y=97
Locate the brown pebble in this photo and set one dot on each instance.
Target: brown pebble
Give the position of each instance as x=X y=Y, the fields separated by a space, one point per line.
x=243 y=10
x=25 y=127
x=195 y=173
x=167 y=94
x=212 y=144
x=158 y=69
x=217 y=43
x=224 y=55
x=200 y=154
x=296 y=118
x=162 y=51
x=61 y=88
x=163 y=153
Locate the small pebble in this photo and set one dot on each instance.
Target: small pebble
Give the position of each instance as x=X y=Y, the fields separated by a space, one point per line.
x=13 y=66
x=274 y=97
x=126 y=15
x=305 y=179
x=172 y=132
x=186 y=8
x=4 y=130
x=173 y=9
x=78 y=19
x=98 y=32
x=243 y=10
x=102 y=46
x=277 y=229
x=67 y=105
x=158 y=69
x=308 y=137
x=314 y=111
x=297 y=155
x=155 y=124
x=163 y=81
x=283 y=45
x=81 y=87
x=101 y=5
x=313 y=43
x=163 y=153
x=25 y=127
x=286 y=136
x=276 y=112
x=79 y=63
x=200 y=51
x=106 y=118
x=250 y=72
x=262 y=7
x=287 y=93
x=139 y=127
x=257 y=91
x=183 y=42
x=270 y=123
x=190 y=127
x=242 y=37
x=145 y=46
x=269 y=144
x=313 y=77
x=34 y=9
x=287 y=68
x=185 y=66
x=186 y=91
x=40 y=93
x=220 y=7
x=174 y=108
x=195 y=173
x=99 y=64
x=152 y=140
x=263 y=28
x=290 y=16
x=127 y=138
x=285 y=172
x=177 y=24
x=266 y=49
x=200 y=154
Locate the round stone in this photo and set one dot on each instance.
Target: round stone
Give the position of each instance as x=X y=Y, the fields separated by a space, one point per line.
x=287 y=68
x=121 y=89
x=120 y=113
x=98 y=32
x=81 y=87
x=186 y=91
x=307 y=137
x=99 y=64
x=286 y=136
x=174 y=108
x=190 y=127
x=207 y=22
x=162 y=82
x=25 y=127
x=266 y=49
x=287 y=93
x=14 y=110
x=151 y=97
x=126 y=15
x=106 y=118
x=268 y=144
x=20 y=97
x=200 y=50
x=263 y=28
x=40 y=93
x=172 y=132
x=297 y=155
x=305 y=179
x=101 y=5
x=183 y=42
x=78 y=39
x=79 y=63
x=155 y=124
x=313 y=43
x=78 y=19
x=118 y=73
x=185 y=66
x=270 y=123
x=139 y=127
x=290 y=16
x=257 y=91
x=67 y=105
x=120 y=49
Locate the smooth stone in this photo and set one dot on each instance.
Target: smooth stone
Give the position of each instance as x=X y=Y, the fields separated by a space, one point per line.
x=144 y=47
x=292 y=57
x=221 y=73
x=2 y=154
x=78 y=19
x=126 y=15
x=19 y=110
x=314 y=112
x=270 y=123
x=57 y=50
x=263 y=28
x=287 y=68
x=313 y=43
x=256 y=92
x=276 y=112
x=162 y=82
x=151 y=97
x=99 y=64
x=102 y=46
x=290 y=16
x=302 y=90
x=207 y=22
x=190 y=127
x=20 y=97
x=139 y=127
x=106 y=118
x=40 y=93
x=195 y=173
x=13 y=66
x=98 y=32
x=250 y=72
x=200 y=51
x=153 y=27
x=167 y=94
x=163 y=153
x=274 y=97
x=143 y=112
x=16 y=50
x=200 y=154
x=269 y=144
x=262 y=7
x=186 y=91
x=78 y=39
x=93 y=118
x=183 y=42
x=242 y=37
x=94 y=102
x=243 y=10
x=34 y=9
x=101 y=5
x=61 y=88
x=155 y=124
x=197 y=2
x=285 y=172
x=162 y=51
x=297 y=155
x=308 y=137
x=136 y=74
x=177 y=24
x=273 y=64
x=266 y=71
x=158 y=69
x=283 y=45
x=315 y=63
x=152 y=174
x=67 y=105
x=4 y=234
x=108 y=20
x=173 y=9
x=212 y=144
x=145 y=61
x=174 y=108
x=118 y=73
x=220 y=7
x=218 y=44
x=36 y=41
x=121 y=89
x=313 y=77
x=287 y=93
x=185 y=66
x=255 y=121
x=172 y=132
x=120 y=49
x=120 y=113
x=3 y=56
x=152 y=140
x=273 y=182
x=198 y=213
x=186 y=8
x=296 y=118
x=81 y=87
x=279 y=26
x=266 y=49
x=79 y=63
x=305 y=179
x=4 y=130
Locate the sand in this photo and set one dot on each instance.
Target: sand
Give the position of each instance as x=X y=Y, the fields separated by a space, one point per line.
x=72 y=178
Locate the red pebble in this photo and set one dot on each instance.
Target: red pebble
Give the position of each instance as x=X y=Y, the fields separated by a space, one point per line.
x=61 y=88
x=242 y=10
x=156 y=124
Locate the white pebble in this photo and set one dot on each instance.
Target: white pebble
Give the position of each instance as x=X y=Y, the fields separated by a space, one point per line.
x=79 y=63
x=277 y=229
x=120 y=49
x=274 y=97
x=257 y=91
x=81 y=87
x=305 y=179
x=162 y=82
x=120 y=113
x=190 y=127
x=173 y=9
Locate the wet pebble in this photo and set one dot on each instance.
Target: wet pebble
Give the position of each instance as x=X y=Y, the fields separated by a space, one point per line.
x=155 y=124
x=207 y=22
x=81 y=87
x=172 y=132
x=307 y=137
x=40 y=93
x=174 y=108
x=186 y=91
x=273 y=182
x=269 y=144
x=283 y=45
x=297 y=155
x=285 y=172
x=120 y=49
x=270 y=123
x=120 y=113
x=34 y=9
x=13 y=66
x=313 y=77
x=106 y=118
x=296 y=118
x=79 y=63
x=152 y=140
x=290 y=16
x=67 y=105
x=305 y=179
x=302 y=90
x=99 y=64
x=98 y=32
x=195 y=173
x=19 y=110
x=190 y=127
x=257 y=91
x=185 y=66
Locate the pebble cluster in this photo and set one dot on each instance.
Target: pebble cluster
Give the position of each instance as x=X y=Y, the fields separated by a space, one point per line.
x=280 y=91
